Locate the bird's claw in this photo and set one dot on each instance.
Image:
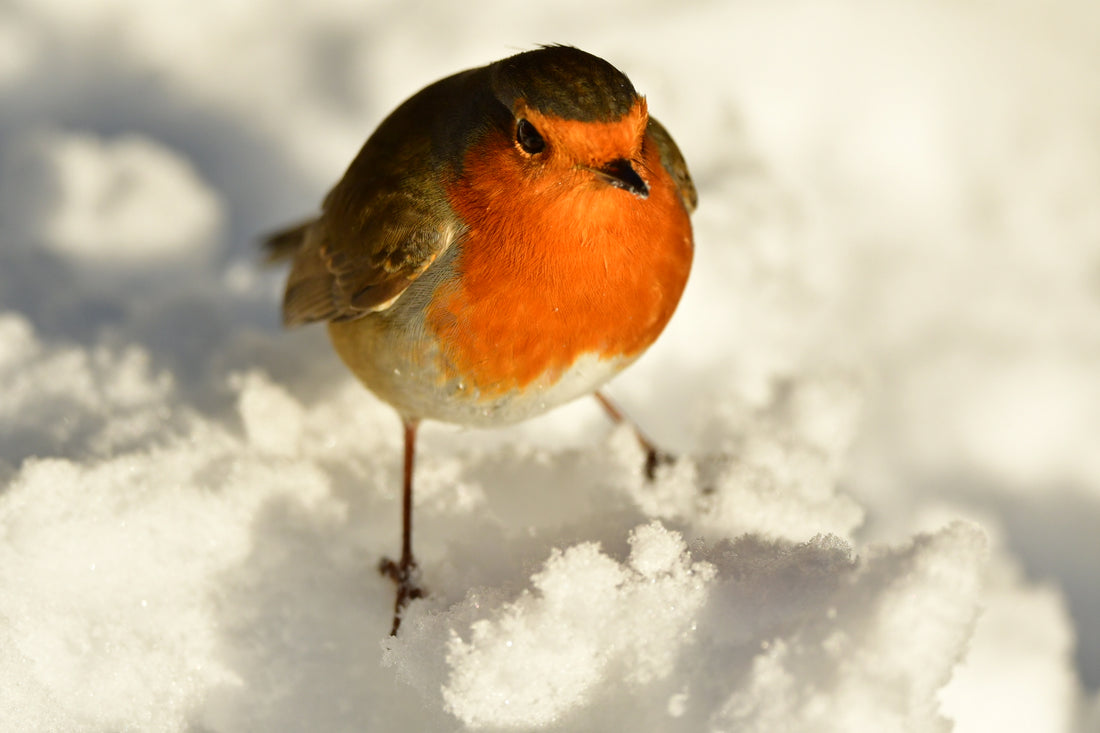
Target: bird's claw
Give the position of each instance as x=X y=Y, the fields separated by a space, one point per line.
x=654 y=459
x=404 y=574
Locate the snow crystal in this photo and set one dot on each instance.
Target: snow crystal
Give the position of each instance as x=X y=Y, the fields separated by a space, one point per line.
x=876 y=657
x=589 y=619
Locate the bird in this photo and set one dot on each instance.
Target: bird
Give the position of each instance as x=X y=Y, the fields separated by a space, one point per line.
x=507 y=240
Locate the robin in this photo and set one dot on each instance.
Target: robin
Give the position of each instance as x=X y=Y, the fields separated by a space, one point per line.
x=507 y=240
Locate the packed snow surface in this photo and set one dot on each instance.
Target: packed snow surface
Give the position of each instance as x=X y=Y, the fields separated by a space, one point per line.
x=881 y=386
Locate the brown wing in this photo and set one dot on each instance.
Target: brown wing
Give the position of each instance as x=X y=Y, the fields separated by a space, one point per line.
x=673 y=161
x=361 y=253
x=340 y=273
x=380 y=228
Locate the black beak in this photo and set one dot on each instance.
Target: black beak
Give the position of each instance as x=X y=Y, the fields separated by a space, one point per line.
x=620 y=174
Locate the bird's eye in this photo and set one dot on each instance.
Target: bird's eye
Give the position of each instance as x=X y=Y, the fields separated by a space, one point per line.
x=529 y=138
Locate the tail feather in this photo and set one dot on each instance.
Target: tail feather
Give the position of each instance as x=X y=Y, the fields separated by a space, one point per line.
x=310 y=285
x=284 y=244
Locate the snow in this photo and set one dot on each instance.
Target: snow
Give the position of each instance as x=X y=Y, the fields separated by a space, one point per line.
x=881 y=386
x=114 y=196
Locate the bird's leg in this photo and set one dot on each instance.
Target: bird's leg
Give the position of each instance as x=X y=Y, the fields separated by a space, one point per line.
x=654 y=456
x=403 y=572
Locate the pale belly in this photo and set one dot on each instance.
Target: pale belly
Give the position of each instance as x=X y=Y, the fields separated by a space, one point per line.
x=399 y=364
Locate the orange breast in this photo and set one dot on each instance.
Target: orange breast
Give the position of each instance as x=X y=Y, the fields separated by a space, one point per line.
x=556 y=265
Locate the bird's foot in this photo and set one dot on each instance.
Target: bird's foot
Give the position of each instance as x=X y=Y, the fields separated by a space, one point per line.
x=404 y=574
x=654 y=459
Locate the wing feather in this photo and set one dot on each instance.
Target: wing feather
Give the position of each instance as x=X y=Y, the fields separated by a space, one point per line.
x=380 y=228
x=673 y=161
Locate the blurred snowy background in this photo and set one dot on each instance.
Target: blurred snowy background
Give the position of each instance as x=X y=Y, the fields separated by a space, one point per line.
x=882 y=382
